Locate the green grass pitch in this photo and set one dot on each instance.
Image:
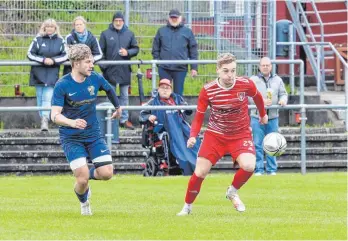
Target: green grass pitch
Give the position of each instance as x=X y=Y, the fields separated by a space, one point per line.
x=282 y=207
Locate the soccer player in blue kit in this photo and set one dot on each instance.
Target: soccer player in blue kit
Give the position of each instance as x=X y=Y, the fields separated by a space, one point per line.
x=74 y=110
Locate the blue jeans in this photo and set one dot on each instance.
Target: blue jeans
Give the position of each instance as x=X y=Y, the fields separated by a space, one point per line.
x=124 y=101
x=259 y=132
x=178 y=78
x=43 y=98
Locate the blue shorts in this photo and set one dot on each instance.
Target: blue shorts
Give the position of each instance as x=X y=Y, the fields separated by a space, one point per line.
x=94 y=150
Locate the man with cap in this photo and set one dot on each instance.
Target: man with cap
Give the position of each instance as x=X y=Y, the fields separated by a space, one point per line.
x=119 y=43
x=175 y=42
x=175 y=123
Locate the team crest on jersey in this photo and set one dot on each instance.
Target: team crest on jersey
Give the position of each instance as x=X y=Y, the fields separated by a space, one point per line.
x=91 y=89
x=241 y=95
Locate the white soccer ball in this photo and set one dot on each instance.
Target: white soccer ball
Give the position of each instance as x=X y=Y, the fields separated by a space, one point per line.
x=274 y=144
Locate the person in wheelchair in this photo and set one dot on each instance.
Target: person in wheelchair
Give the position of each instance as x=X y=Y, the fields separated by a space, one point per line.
x=172 y=129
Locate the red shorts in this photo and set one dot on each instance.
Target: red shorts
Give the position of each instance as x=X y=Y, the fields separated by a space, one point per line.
x=214 y=147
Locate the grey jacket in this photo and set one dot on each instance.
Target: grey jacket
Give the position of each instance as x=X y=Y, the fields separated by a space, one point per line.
x=278 y=93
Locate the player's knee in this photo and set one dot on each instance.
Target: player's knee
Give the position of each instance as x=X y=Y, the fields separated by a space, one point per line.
x=82 y=181
x=249 y=167
x=105 y=172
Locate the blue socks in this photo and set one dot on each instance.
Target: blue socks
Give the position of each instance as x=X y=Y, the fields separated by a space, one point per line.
x=82 y=197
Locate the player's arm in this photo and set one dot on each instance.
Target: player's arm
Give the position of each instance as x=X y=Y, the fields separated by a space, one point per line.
x=58 y=118
x=57 y=108
x=258 y=99
x=202 y=106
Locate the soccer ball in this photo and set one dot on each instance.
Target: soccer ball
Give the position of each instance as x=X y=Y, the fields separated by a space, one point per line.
x=274 y=144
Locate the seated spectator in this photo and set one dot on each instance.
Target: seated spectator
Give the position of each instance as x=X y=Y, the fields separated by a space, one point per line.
x=48 y=49
x=80 y=35
x=174 y=122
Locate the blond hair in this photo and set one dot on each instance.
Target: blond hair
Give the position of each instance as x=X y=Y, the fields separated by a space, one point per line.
x=49 y=22
x=225 y=58
x=79 y=18
x=78 y=52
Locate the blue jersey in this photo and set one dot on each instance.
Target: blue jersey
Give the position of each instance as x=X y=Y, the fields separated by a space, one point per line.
x=79 y=102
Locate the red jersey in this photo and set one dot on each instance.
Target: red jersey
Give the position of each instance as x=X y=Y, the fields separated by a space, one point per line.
x=229 y=108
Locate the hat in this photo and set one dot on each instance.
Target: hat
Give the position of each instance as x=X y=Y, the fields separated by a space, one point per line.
x=174 y=13
x=118 y=15
x=165 y=82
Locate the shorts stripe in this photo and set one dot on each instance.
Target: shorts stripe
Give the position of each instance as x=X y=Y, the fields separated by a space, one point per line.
x=105 y=158
x=77 y=163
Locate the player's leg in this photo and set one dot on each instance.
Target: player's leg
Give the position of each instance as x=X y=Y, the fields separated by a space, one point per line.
x=76 y=155
x=101 y=158
x=243 y=151
x=82 y=189
x=203 y=167
x=271 y=161
x=208 y=155
x=258 y=135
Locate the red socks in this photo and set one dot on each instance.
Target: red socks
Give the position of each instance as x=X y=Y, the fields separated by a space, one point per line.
x=240 y=178
x=193 y=188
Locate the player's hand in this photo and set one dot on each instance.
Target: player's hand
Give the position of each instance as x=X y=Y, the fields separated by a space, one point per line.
x=117 y=113
x=264 y=120
x=193 y=73
x=152 y=118
x=48 y=61
x=268 y=102
x=191 y=142
x=123 y=52
x=282 y=103
x=78 y=124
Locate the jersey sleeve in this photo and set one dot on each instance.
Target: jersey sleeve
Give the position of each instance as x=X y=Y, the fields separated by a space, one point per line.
x=203 y=102
x=58 y=95
x=103 y=83
x=252 y=90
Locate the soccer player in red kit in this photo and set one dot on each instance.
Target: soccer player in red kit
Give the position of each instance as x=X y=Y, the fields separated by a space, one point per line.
x=228 y=129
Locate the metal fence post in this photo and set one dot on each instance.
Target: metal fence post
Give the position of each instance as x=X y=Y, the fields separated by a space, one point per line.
x=292 y=57
x=188 y=14
x=127 y=10
x=274 y=32
x=346 y=90
x=108 y=128
x=303 y=121
x=247 y=29
x=318 y=69
x=153 y=72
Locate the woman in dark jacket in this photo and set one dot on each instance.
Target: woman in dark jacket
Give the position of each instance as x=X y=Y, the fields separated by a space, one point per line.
x=48 y=49
x=80 y=35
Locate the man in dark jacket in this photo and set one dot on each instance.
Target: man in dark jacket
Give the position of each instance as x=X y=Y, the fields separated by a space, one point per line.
x=175 y=42
x=119 y=43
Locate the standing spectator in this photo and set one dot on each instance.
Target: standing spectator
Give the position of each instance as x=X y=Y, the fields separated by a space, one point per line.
x=273 y=91
x=175 y=42
x=48 y=49
x=119 y=43
x=80 y=35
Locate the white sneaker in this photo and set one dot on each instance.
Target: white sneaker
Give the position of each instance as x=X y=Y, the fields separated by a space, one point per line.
x=234 y=197
x=272 y=173
x=86 y=208
x=258 y=174
x=186 y=210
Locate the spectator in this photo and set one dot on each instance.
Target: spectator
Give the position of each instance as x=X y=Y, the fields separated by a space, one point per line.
x=175 y=42
x=48 y=49
x=273 y=91
x=175 y=123
x=80 y=35
x=119 y=43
